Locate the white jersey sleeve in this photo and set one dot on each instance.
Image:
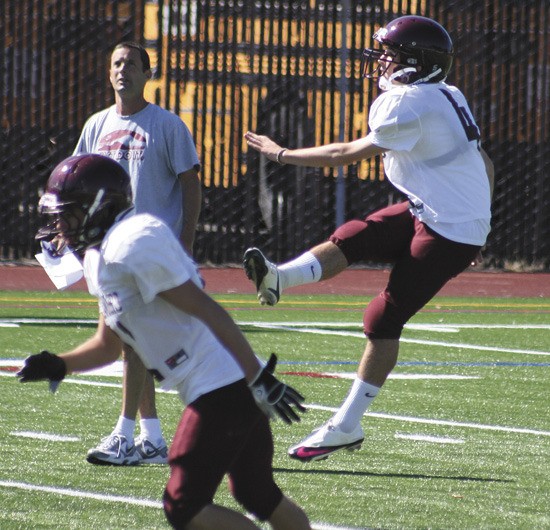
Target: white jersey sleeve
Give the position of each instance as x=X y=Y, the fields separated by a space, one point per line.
x=156 y=268
x=393 y=123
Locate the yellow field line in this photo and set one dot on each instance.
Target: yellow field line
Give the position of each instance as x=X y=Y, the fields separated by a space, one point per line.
x=306 y=303
x=51 y=300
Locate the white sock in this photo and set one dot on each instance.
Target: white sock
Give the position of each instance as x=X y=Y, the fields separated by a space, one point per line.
x=349 y=415
x=150 y=429
x=304 y=269
x=125 y=427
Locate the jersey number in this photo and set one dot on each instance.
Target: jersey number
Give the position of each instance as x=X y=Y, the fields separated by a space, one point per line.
x=470 y=128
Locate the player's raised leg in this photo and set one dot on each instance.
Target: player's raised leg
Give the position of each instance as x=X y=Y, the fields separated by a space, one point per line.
x=320 y=263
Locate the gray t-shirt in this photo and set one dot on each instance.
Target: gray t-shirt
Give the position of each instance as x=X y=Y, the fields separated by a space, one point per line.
x=154 y=146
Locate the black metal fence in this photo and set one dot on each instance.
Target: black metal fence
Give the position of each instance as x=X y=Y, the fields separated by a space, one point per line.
x=53 y=74
x=289 y=69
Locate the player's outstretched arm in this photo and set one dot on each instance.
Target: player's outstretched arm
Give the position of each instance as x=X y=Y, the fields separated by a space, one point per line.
x=101 y=349
x=328 y=155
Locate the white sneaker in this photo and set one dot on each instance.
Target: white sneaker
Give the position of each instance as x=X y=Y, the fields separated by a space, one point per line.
x=264 y=274
x=114 y=450
x=151 y=453
x=321 y=443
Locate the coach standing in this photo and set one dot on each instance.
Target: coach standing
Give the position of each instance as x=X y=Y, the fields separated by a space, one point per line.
x=157 y=150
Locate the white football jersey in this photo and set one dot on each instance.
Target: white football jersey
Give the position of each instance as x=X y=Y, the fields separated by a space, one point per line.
x=434 y=158
x=139 y=258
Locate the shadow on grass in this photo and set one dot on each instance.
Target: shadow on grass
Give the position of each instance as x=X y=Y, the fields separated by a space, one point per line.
x=389 y=475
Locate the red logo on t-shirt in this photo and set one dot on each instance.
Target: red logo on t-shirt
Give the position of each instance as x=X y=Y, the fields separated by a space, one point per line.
x=122 y=145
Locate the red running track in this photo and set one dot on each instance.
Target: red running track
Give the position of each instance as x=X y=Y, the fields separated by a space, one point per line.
x=359 y=282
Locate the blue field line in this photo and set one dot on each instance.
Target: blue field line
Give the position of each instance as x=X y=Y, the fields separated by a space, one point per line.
x=423 y=363
x=458 y=363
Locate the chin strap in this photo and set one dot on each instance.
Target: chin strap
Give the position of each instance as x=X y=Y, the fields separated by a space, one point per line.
x=402 y=77
x=428 y=77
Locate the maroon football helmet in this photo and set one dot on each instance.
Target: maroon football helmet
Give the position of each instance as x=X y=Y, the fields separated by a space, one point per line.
x=420 y=46
x=90 y=190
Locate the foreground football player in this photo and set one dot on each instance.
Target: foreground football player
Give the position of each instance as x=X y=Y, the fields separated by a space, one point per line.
x=431 y=151
x=150 y=296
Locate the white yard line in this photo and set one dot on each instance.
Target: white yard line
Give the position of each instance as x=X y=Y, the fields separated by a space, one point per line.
x=419 y=326
x=408 y=419
x=147 y=503
x=351 y=375
x=429 y=439
x=48 y=321
x=68 y=492
x=315 y=327
x=45 y=436
x=479 y=347
x=319 y=331
x=448 y=423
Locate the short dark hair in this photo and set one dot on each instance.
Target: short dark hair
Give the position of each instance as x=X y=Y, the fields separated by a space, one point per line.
x=145 y=61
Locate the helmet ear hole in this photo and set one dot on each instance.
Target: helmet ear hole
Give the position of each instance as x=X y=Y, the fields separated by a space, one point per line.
x=98 y=222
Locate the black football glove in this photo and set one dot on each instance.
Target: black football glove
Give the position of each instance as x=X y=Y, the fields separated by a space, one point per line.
x=274 y=397
x=43 y=365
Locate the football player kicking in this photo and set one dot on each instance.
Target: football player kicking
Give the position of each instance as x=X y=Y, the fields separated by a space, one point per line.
x=430 y=144
x=150 y=296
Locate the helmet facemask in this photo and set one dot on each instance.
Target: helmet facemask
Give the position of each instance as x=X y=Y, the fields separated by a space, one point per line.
x=376 y=62
x=56 y=233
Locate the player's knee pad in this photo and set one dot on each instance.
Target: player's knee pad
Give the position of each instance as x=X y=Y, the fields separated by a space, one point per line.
x=261 y=502
x=180 y=511
x=382 y=319
x=348 y=238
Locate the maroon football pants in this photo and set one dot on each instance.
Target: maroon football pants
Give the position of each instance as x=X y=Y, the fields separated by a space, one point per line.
x=423 y=262
x=222 y=432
